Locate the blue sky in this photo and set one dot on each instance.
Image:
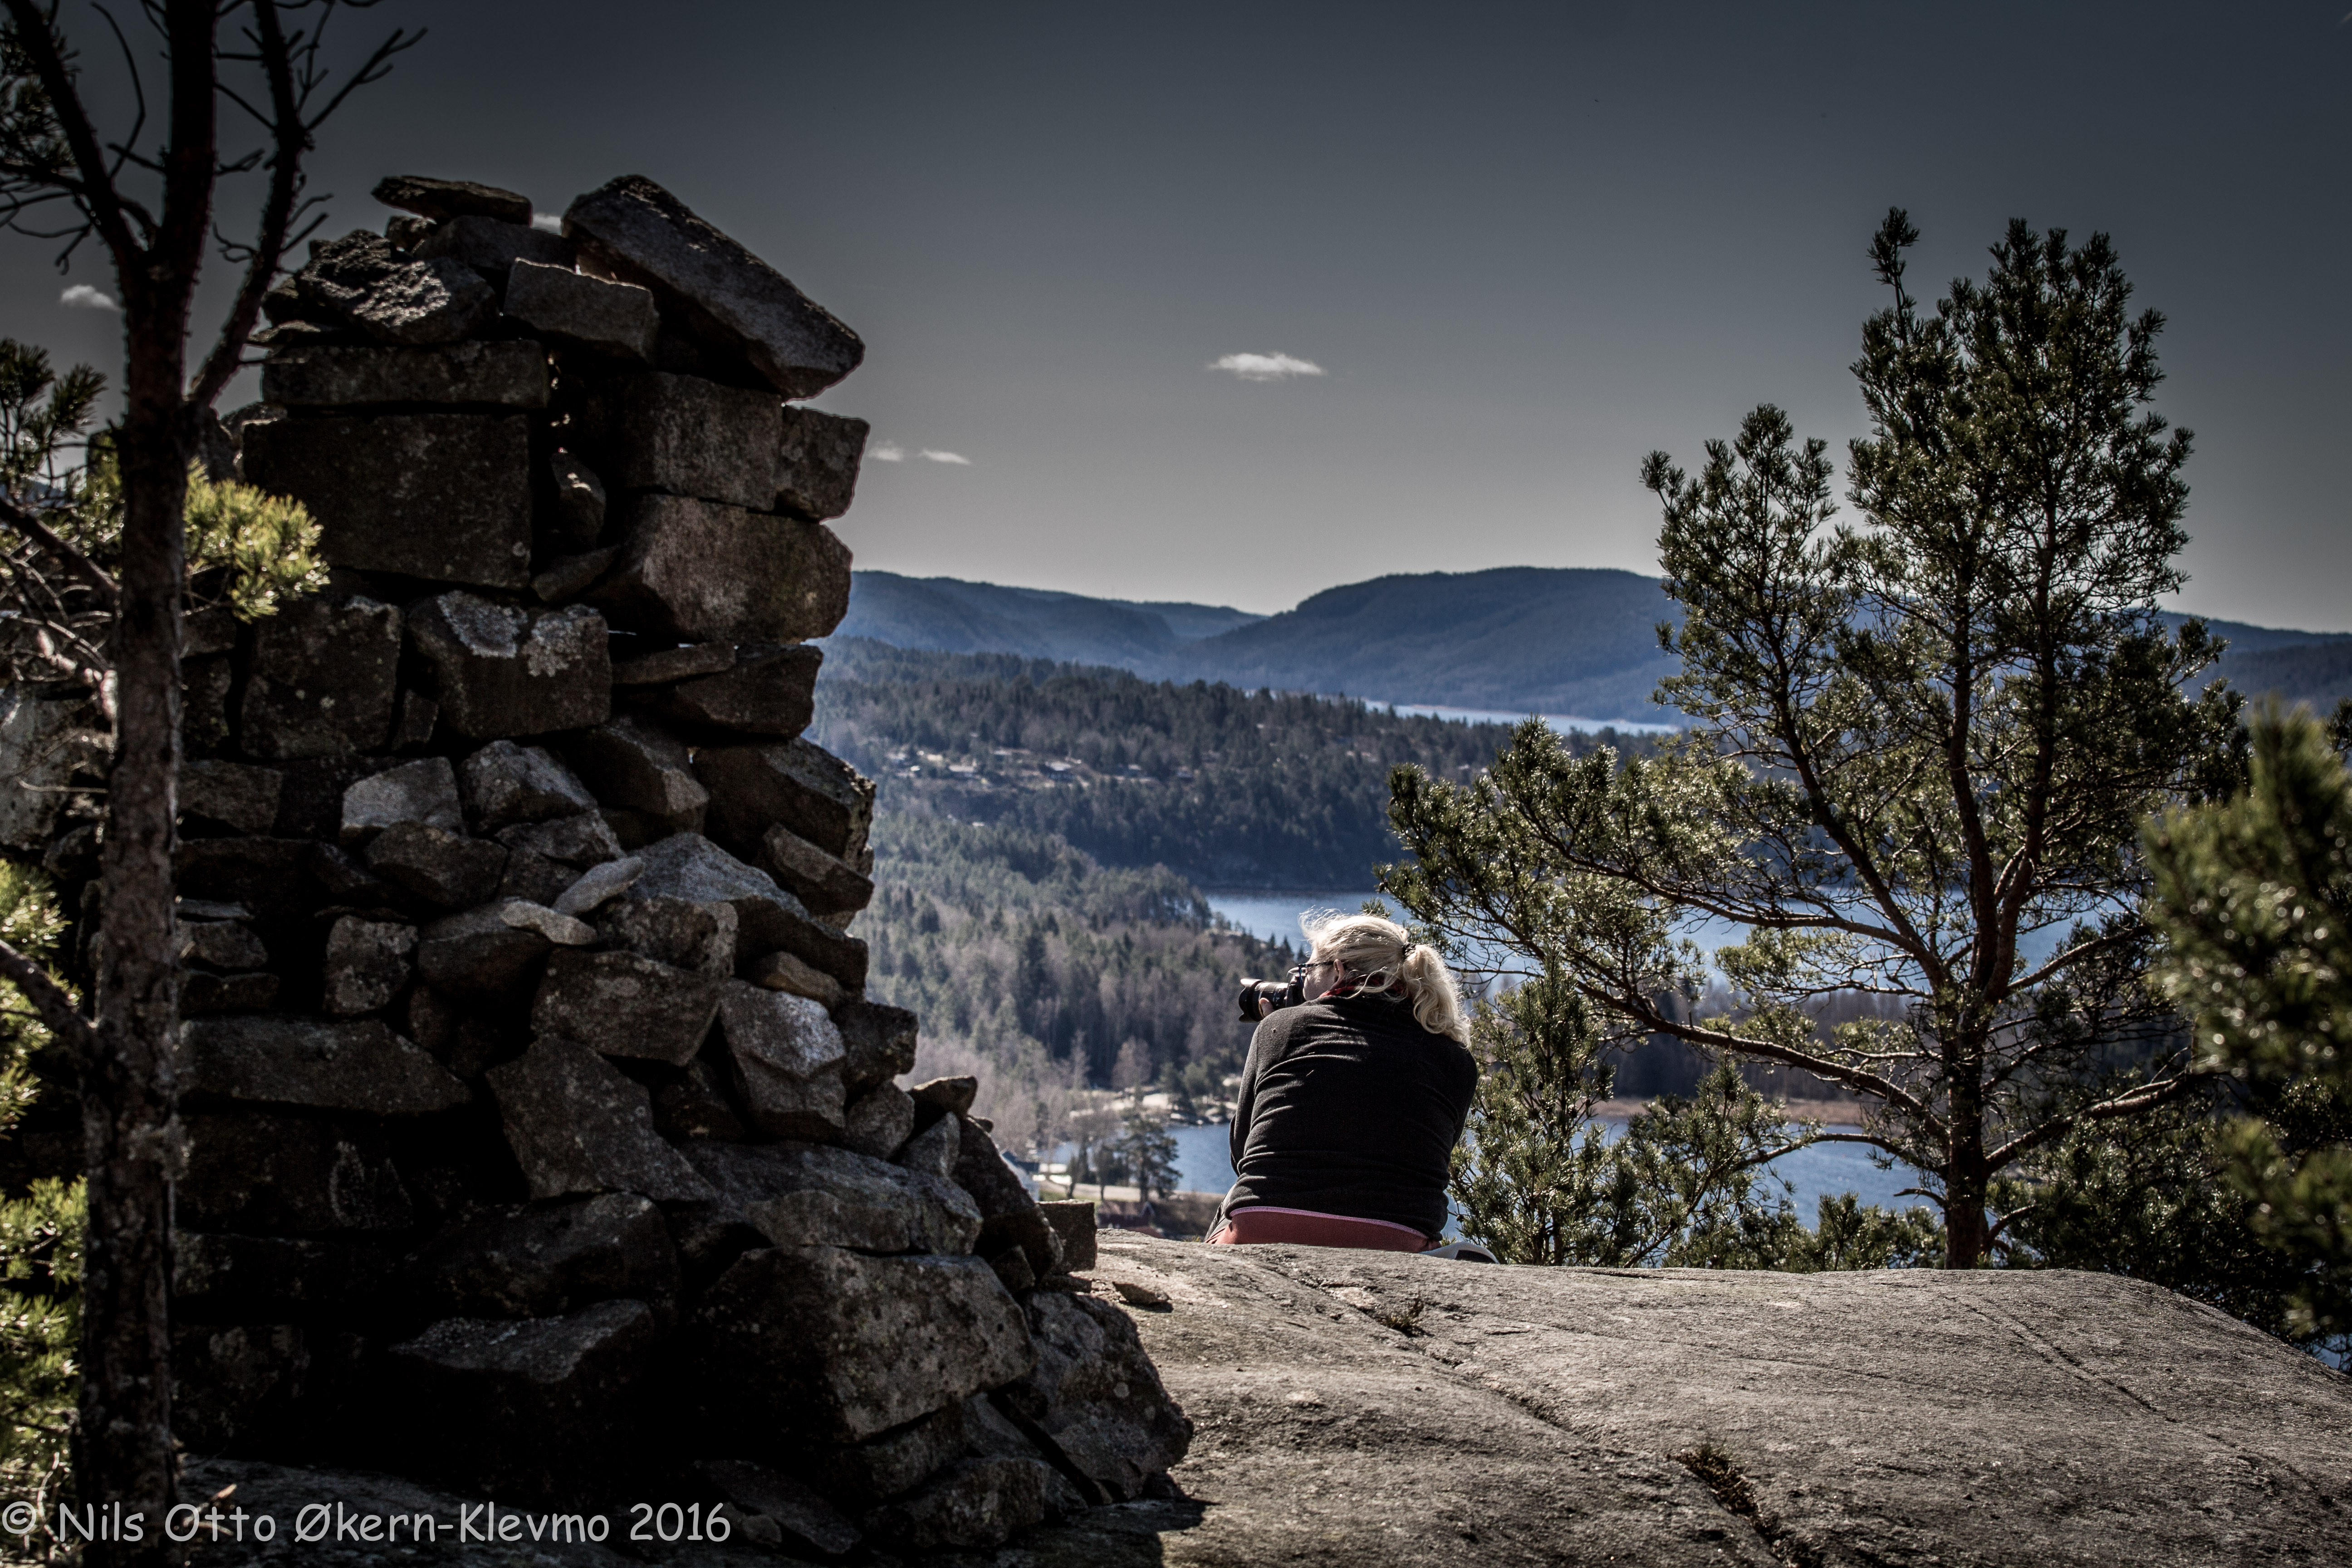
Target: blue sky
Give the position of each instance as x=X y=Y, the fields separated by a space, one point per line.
x=1522 y=246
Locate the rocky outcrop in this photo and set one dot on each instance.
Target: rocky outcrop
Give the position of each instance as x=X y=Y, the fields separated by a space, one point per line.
x=540 y=1145
x=1363 y=1410
x=1359 y=1408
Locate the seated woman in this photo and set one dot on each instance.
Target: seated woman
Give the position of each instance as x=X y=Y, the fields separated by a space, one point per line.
x=1351 y=1105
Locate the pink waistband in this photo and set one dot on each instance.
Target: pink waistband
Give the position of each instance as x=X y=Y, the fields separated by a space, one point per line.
x=1266 y=1223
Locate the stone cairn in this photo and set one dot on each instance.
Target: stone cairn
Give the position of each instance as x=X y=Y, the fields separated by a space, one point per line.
x=543 y=1141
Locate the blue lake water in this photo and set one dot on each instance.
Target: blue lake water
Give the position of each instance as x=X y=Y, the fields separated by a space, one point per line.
x=1563 y=722
x=1205 y=1164
x=1274 y=916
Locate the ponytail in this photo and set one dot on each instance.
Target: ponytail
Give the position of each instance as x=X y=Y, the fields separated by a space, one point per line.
x=1378 y=956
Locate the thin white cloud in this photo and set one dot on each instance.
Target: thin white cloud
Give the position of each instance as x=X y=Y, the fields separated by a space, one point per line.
x=551 y=222
x=958 y=459
x=886 y=452
x=1266 y=367
x=82 y=296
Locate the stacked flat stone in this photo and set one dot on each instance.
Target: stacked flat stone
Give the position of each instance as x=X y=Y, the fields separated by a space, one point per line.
x=542 y=1138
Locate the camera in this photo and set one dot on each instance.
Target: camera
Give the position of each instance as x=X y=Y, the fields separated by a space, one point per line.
x=1282 y=994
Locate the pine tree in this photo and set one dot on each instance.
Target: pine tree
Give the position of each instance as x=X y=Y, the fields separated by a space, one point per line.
x=40 y=1238
x=1150 y=1152
x=2254 y=896
x=1920 y=747
x=1538 y=1181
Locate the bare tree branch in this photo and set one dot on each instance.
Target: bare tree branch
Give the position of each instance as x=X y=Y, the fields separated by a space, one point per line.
x=2148 y=1097
x=25 y=522
x=97 y=195
x=290 y=139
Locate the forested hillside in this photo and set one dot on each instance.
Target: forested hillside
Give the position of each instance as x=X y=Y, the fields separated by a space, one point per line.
x=1041 y=971
x=951 y=615
x=1226 y=787
x=1518 y=639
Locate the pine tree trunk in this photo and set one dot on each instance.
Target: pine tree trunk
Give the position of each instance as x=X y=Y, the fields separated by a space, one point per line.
x=133 y=1141
x=1966 y=1236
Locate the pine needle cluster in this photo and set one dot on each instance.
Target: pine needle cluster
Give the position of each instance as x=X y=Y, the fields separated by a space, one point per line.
x=40 y=1237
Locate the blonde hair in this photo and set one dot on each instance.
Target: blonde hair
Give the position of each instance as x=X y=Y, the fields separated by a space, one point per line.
x=1379 y=955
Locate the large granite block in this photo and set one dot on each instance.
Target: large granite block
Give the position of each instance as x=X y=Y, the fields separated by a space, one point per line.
x=725 y=296
x=518 y=1262
x=699 y=571
x=492 y=246
x=506 y=784
x=542 y=1410
x=445 y=869
x=367 y=964
x=362 y=1066
x=802 y=1195
x=639 y=768
x=699 y=937
x=442 y=496
x=322 y=681
x=442 y=200
x=481 y=956
x=977 y=1502
x=501 y=376
x=787 y=1057
x=877 y=1041
x=832 y=888
x=229 y=796
x=846 y=1346
x=360 y=283
x=1095 y=1390
x=1010 y=1214
x=768 y=691
x=798 y=784
x=684 y=435
x=423 y=791
x=816 y=473
x=689 y=867
x=603 y=317
x=878 y=1122
x=578 y=842
x=576 y=1125
x=623 y=1005
x=505 y=670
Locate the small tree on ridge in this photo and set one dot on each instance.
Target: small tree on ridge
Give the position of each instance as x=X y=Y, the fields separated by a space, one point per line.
x=1921 y=747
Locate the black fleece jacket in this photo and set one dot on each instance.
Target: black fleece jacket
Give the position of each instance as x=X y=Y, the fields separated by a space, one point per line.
x=1349 y=1107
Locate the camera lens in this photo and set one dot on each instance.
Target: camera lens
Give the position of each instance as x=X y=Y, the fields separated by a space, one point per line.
x=1279 y=994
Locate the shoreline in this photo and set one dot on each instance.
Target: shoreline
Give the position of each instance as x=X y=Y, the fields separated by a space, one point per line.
x=1831 y=1112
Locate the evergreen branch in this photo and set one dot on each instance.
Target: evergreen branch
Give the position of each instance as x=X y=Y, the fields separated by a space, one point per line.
x=51 y=1000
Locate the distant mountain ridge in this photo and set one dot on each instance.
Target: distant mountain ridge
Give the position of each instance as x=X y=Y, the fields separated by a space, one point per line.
x=951 y=615
x=1573 y=641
